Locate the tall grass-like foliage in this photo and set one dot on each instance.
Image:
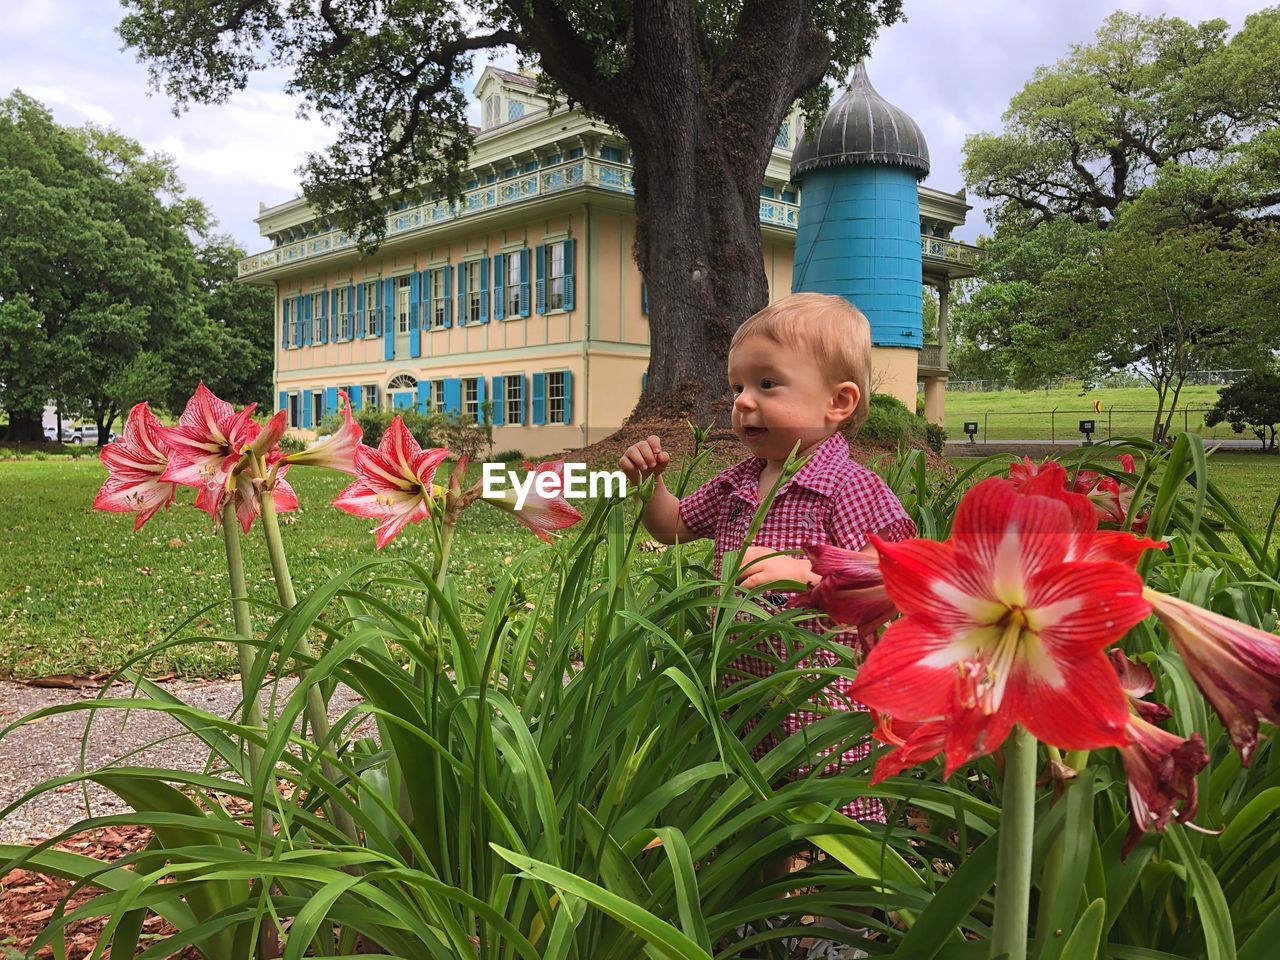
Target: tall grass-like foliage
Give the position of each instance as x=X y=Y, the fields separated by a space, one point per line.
x=512 y=800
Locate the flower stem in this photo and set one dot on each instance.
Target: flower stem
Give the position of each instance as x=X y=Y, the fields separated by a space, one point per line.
x=442 y=572
x=315 y=709
x=1013 y=860
x=244 y=628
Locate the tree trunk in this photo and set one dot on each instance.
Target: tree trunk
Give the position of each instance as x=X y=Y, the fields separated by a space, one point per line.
x=25 y=427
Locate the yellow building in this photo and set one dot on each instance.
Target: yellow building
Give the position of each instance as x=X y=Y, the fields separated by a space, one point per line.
x=524 y=293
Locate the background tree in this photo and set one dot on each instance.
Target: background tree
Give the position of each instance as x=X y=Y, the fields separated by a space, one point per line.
x=104 y=297
x=1253 y=402
x=699 y=89
x=1157 y=140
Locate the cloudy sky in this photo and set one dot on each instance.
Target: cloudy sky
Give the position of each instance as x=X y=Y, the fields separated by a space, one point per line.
x=952 y=65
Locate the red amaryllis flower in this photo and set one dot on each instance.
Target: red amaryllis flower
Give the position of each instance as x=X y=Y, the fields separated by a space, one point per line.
x=207 y=443
x=1236 y=666
x=135 y=466
x=541 y=513
x=394 y=483
x=1161 y=768
x=1110 y=498
x=913 y=743
x=338 y=451
x=1021 y=471
x=851 y=590
x=1004 y=624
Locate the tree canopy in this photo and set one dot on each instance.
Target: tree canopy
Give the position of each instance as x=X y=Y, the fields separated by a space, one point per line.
x=104 y=296
x=1136 y=191
x=1253 y=402
x=698 y=89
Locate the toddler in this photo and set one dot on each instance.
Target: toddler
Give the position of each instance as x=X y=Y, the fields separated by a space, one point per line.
x=799 y=370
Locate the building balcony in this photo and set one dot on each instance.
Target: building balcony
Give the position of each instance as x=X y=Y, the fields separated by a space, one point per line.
x=932 y=361
x=949 y=256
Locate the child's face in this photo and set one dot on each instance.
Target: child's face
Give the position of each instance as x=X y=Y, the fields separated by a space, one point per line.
x=781 y=395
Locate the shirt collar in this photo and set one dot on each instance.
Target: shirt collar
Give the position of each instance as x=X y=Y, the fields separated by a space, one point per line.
x=819 y=473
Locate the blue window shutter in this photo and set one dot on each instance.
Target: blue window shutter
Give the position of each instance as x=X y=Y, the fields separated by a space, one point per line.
x=388 y=326
x=568 y=397
x=540 y=266
x=330 y=400
x=644 y=381
x=354 y=395
x=484 y=292
x=644 y=297
x=569 y=246
x=462 y=295
x=415 y=341
x=427 y=314
x=284 y=400
x=306 y=321
x=360 y=308
x=499 y=286
x=453 y=395
x=479 y=399
x=424 y=396
x=447 y=295
x=524 y=283
x=306 y=409
x=499 y=400
x=284 y=324
x=539 y=398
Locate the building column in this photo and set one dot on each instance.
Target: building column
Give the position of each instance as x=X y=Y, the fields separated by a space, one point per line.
x=944 y=296
x=935 y=393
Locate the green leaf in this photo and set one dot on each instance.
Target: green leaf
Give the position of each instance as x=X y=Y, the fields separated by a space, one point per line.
x=1083 y=942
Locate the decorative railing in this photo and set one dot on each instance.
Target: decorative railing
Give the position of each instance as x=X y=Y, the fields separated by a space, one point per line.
x=935 y=248
x=585 y=171
x=931 y=357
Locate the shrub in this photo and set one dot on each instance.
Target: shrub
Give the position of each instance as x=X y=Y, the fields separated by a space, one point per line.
x=891 y=424
x=508 y=456
x=462 y=435
x=292 y=444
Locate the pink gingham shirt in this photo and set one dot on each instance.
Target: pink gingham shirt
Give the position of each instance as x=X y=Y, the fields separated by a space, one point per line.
x=831 y=499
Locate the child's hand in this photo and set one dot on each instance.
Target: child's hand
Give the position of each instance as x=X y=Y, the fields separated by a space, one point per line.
x=759 y=568
x=643 y=460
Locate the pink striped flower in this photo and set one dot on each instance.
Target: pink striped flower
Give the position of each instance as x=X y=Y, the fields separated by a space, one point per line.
x=135 y=467
x=338 y=451
x=394 y=483
x=208 y=442
x=541 y=514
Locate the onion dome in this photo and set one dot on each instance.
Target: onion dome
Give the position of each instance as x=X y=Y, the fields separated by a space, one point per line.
x=863 y=127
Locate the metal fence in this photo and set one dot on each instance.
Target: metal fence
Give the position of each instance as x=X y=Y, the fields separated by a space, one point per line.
x=1213 y=378
x=1062 y=425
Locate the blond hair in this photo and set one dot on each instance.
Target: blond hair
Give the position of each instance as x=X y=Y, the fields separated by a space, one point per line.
x=831 y=329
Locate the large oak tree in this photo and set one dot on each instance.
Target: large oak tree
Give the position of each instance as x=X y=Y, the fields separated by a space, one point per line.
x=699 y=88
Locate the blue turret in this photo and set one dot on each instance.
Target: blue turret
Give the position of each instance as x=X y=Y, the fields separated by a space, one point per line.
x=859 y=225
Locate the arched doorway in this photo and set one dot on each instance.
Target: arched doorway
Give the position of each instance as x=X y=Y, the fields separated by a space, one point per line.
x=403 y=390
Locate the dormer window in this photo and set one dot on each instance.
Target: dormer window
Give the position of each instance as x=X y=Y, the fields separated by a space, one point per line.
x=492 y=105
x=515 y=110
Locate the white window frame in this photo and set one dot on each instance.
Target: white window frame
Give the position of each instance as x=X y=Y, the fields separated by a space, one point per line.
x=555 y=414
x=471 y=398
x=437 y=396
x=438 y=299
x=473 y=291
x=319 y=316
x=402 y=300
x=512 y=290
x=370 y=317
x=295 y=409
x=345 y=320
x=555 y=281
x=369 y=391
x=513 y=400
x=318 y=412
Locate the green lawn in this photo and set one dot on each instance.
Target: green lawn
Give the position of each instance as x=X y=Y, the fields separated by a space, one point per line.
x=80 y=591
x=1027 y=414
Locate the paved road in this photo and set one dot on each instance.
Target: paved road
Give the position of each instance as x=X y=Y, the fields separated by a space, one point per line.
x=959 y=447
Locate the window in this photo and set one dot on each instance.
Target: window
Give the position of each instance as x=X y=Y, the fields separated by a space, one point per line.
x=512 y=288
x=555 y=397
x=286 y=322
x=370 y=326
x=491 y=107
x=437 y=396
x=438 y=299
x=345 y=320
x=402 y=304
x=473 y=292
x=514 y=400
x=370 y=391
x=554 y=158
x=555 y=276
x=783 y=139
x=317 y=318
x=612 y=154
x=508 y=173
x=294 y=413
x=317 y=406
x=471 y=397
x=575 y=153
x=515 y=110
